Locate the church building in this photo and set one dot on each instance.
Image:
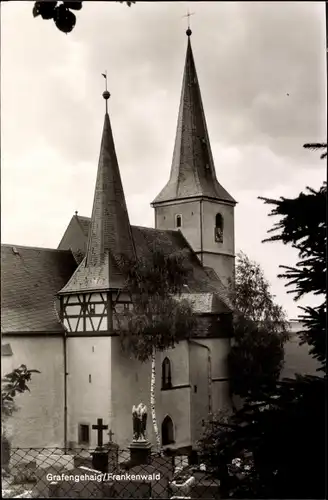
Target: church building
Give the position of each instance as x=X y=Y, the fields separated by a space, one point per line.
x=61 y=307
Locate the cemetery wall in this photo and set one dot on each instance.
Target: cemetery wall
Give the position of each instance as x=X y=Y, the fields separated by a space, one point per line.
x=40 y=419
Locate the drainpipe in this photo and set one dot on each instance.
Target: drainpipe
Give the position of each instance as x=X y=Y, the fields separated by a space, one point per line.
x=209 y=373
x=60 y=320
x=65 y=391
x=201 y=232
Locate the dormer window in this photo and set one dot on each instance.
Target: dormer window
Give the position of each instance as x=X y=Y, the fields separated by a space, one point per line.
x=178 y=220
x=218 y=232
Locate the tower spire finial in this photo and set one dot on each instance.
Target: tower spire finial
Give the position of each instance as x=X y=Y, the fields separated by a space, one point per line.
x=189 y=32
x=106 y=94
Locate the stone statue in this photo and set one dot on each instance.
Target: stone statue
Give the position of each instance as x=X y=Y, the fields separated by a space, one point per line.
x=136 y=423
x=139 y=419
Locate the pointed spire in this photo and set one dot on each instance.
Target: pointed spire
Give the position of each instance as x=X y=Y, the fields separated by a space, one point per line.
x=192 y=172
x=110 y=231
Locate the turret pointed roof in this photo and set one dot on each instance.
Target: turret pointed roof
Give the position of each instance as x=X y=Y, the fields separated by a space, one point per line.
x=110 y=233
x=192 y=172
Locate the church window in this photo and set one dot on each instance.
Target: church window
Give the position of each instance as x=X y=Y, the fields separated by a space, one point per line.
x=167 y=431
x=89 y=379
x=178 y=220
x=195 y=388
x=218 y=228
x=84 y=434
x=166 y=374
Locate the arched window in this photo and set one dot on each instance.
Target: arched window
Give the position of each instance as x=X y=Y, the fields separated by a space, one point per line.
x=218 y=228
x=178 y=220
x=166 y=374
x=167 y=431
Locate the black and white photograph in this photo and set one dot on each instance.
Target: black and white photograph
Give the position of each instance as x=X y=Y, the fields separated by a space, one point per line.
x=163 y=249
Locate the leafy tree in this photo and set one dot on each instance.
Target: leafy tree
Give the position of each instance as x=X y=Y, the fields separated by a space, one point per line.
x=11 y=384
x=260 y=331
x=160 y=318
x=61 y=12
x=283 y=434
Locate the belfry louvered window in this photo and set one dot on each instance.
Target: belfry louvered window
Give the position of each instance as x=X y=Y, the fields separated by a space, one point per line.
x=178 y=220
x=218 y=231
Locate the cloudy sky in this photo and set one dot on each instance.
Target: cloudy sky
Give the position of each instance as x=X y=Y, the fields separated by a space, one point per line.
x=249 y=56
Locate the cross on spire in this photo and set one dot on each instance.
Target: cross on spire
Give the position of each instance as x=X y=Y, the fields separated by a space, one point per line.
x=188 y=17
x=100 y=428
x=106 y=94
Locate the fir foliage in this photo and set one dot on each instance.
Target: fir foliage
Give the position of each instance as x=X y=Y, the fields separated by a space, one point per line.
x=303 y=224
x=281 y=437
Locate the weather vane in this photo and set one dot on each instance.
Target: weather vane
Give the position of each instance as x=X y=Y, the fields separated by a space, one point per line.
x=188 y=16
x=106 y=94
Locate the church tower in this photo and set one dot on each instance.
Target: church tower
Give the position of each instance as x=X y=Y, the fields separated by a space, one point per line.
x=193 y=201
x=93 y=303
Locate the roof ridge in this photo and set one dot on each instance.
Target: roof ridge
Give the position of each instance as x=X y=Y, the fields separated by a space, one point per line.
x=10 y=245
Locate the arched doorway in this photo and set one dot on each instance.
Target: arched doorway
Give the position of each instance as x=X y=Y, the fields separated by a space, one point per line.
x=167 y=431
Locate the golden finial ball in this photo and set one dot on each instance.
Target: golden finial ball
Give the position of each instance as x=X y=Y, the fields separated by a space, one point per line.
x=106 y=95
x=188 y=32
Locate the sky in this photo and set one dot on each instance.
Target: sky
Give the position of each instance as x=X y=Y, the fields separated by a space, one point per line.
x=262 y=72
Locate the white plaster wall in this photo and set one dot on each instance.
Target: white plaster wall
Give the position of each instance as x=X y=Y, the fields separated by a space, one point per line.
x=210 y=209
x=40 y=419
x=87 y=401
x=190 y=211
x=131 y=385
x=223 y=265
x=199 y=376
x=176 y=402
x=220 y=388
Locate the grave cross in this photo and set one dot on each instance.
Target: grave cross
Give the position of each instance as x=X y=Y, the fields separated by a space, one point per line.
x=100 y=428
x=110 y=434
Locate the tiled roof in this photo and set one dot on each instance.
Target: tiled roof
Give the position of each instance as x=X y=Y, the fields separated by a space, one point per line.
x=30 y=279
x=110 y=230
x=84 y=223
x=193 y=171
x=146 y=240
